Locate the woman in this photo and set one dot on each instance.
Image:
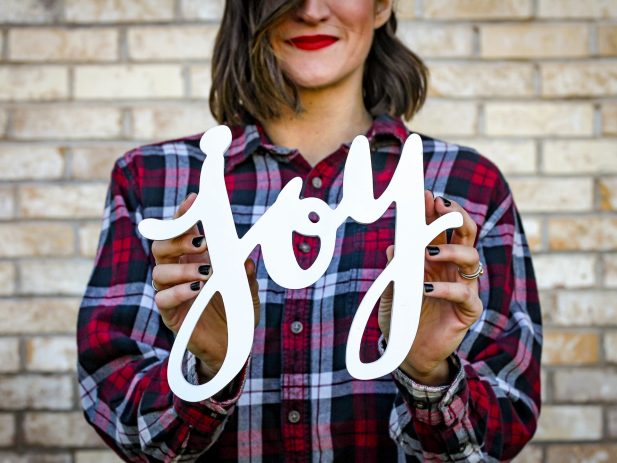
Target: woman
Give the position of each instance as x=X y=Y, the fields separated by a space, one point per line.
x=297 y=80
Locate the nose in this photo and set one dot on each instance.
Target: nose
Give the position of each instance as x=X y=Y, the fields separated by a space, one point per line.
x=313 y=11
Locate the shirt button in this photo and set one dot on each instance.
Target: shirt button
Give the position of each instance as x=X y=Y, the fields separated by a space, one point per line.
x=316 y=182
x=304 y=247
x=293 y=416
x=462 y=448
x=297 y=327
x=420 y=405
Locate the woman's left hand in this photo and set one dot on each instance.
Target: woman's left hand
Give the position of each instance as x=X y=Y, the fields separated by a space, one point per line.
x=451 y=303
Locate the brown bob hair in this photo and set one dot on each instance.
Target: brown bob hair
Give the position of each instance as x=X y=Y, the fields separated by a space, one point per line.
x=248 y=84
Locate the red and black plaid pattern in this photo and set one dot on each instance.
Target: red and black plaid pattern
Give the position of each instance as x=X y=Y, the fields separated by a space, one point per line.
x=295 y=400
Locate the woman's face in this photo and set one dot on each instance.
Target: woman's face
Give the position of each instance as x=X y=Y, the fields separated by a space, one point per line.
x=325 y=42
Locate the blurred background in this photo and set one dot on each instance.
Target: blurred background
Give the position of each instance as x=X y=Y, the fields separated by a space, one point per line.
x=531 y=84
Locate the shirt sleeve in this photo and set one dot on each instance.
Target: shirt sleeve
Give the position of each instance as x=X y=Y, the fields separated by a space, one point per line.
x=124 y=348
x=490 y=409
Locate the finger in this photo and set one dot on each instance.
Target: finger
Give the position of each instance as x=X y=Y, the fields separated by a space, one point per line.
x=465 y=234
x=466 y=258
x=432 y=215
x=467 y=302
x=185 y=205
x=168 y=251
x=169 y=299
x=166 y=275
x=251 y=273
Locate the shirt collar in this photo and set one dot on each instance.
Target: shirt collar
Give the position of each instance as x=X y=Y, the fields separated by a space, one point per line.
x=249 y=139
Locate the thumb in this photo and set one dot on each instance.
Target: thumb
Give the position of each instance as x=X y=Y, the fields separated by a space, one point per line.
x=185 y=205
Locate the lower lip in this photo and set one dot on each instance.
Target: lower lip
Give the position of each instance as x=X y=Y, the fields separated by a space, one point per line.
x=311 y=45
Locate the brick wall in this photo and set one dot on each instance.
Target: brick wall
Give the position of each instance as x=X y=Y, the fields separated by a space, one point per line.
x=530 y=83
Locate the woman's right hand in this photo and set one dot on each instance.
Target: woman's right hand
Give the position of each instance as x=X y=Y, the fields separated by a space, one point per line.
x=181 y=270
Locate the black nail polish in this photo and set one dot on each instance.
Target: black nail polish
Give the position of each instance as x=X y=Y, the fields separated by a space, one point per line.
x=197 y=241
x=428 y=287
x=432 y=250
x=204 y=269
x=446 y=202
x=195 y=285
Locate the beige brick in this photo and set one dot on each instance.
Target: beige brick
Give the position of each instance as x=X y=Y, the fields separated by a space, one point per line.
x=73 y=280
x=211 y=10
x=533 y=40
x=537 y=194
x=576 y=9
x=38 y=315
x=62 y=44
x=3 y=122
x=201 y=81
x=612 y=422
x=480 y=79
x=96 y=456
x=570 y=347
x=7 y=430
x=598 y=233
x=59 y=430
x=586 y=385
x=433 y=40
x=68 y=201
x=175 y=43
x=610 y=270
x=610 y=346
x=9 y=353
x=51 y=354
x=7 y=279
x=7 y=203
x=118 y=10
x=96 y=162
x=444 y=118
x=609 y=119
x=477 y=9
x=35 y=457
x=89 y=238
x=530 y=454
x=18 y=83
x=579 y=79
x=567 y=423
x=26 y=162
x=29 y=11
x=128 y=81
x=166 y=122
x=564 y=271
x=590 y=453
x=580 y=156
x=607 y=40
x=66 y=122
x=539 y=119
x=510 y=156
x=36 y=392
x=607 y=187
x=584 y=308
x=533 y=232
x=36 y=239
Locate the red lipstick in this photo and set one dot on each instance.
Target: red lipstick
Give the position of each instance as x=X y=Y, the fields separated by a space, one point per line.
x=312 y=42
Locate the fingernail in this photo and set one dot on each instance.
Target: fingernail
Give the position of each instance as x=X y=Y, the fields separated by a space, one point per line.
x=428 y=287
x=432 y=250
x=204 y=269
x=197 y=241
x=446 y=202
x=195 y=285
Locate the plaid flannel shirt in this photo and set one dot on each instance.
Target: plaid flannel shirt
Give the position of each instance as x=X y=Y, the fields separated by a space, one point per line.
x=294 y=400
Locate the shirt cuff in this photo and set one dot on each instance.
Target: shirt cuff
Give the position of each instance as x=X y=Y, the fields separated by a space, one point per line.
x=218 y=408
x=433 y=404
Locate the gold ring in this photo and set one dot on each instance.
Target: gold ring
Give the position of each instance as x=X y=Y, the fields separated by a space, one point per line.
x=474 y=275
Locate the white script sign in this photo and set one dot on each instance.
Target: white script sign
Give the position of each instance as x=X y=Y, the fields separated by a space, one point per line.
x=273 y=231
